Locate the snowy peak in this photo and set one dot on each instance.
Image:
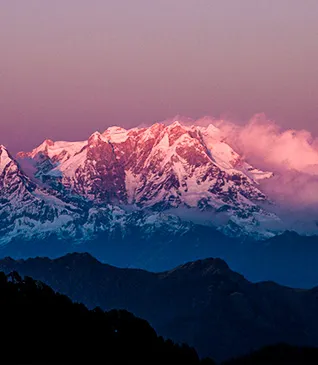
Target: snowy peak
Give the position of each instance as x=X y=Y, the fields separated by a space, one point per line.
x=5 y=159
x=13 y=181
x=40 y=150
x=56 y=151
x=94 y=138
x=116 y=134
x=175 y=131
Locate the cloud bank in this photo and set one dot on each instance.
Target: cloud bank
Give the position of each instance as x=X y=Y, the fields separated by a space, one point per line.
x=291 y=154
x=263 y=143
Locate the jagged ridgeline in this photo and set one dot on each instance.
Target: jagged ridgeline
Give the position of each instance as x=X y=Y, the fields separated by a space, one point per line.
x=40 y=326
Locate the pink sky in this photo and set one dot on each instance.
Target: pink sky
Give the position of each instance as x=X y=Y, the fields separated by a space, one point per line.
x=70 y=67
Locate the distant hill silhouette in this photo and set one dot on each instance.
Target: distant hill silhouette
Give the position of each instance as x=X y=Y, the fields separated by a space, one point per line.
x=202 y=303
x=288 y=259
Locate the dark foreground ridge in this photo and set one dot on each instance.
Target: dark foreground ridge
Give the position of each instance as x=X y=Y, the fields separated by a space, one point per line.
x=202 y=303
x=40 y=326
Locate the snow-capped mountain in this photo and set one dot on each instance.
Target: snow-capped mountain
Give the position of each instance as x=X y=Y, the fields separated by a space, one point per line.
x=25 y=208
x=177 y=171
x=158 y=178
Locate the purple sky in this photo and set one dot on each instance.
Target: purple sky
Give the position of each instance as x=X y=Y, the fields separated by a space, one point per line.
x=70 y=67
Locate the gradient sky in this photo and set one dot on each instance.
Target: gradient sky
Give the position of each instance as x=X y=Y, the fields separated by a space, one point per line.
x=70 y=67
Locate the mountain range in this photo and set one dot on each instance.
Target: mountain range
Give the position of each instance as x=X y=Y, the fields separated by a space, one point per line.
x=151 y=198
x=202 y=303
x=161 y=174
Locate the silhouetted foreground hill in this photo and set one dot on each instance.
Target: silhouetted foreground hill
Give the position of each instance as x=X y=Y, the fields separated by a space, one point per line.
x=202 y=303
x=40 y=326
